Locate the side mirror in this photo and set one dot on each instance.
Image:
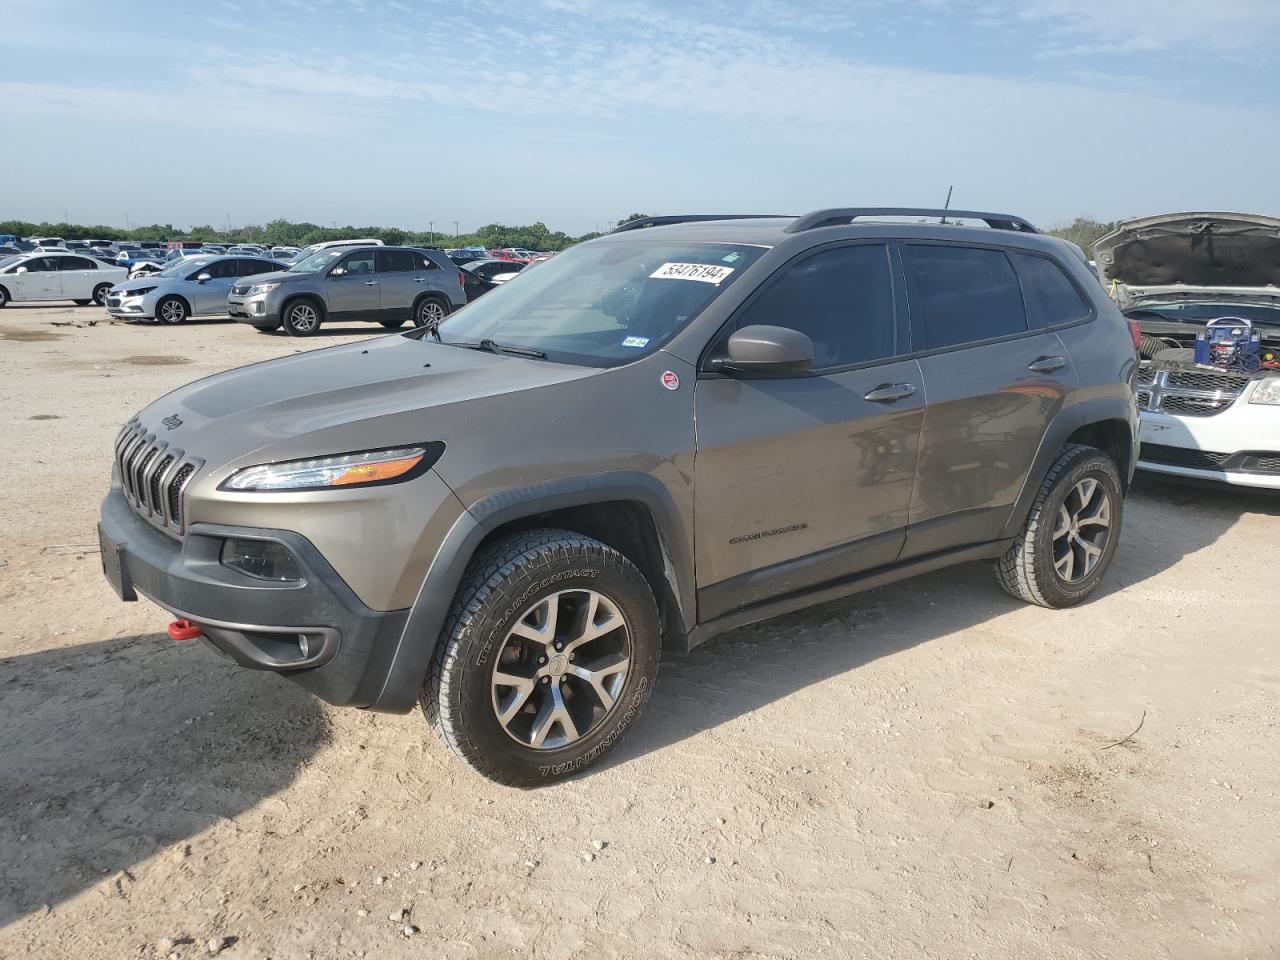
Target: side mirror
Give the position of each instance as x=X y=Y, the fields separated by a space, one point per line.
x=767 y=351
x=204 y=278
x=21 y=270
x=338 y=272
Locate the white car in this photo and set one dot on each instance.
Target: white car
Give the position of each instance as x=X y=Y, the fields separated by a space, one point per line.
x=330 y=244
x=57 y=276
x=1173 y=274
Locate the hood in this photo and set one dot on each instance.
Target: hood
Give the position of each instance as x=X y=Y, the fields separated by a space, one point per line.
x=139 y=282
x=374 y=393
x=1209 y=251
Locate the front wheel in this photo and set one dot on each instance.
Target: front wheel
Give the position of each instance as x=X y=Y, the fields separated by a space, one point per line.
x=429 y=312
x=99 y=295
x=172 y=311
x=548 y=656
x=301 y=319
x=1070 y=534
x=4 y=297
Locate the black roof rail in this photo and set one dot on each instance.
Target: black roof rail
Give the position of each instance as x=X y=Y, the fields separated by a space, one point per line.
x=692 y=218
x=841 y=215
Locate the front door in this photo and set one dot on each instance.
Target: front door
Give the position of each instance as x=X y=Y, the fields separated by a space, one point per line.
x=352 y=290
x=994 y=382
x=799 y=481
x=210 y=296
x=36 y=279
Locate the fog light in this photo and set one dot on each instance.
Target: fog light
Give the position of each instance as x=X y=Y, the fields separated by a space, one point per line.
x=259 y=308
x=261 y=559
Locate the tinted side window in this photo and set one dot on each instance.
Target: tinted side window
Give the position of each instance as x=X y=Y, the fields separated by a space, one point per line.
x=841 y=298
x=220 y=269
x=37 y=265
x=961 y=295
x=359 y=263
x=250 y=267
x=76 y=263
x=1051 y=297
x=395 y=261
x=424 y=262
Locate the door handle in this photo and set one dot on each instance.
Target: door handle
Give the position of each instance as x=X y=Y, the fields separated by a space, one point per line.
x=888 y=392
x=1046 y=364
x=419 y=279
x=371 y=283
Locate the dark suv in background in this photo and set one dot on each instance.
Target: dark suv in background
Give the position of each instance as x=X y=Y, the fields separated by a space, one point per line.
x=389 y=285
x=690 y=424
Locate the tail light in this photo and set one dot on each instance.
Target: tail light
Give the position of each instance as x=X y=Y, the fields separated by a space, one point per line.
x=1135 y=331
x=462 y=279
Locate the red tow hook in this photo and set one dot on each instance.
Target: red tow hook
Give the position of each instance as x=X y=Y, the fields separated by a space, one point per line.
x=183 y=630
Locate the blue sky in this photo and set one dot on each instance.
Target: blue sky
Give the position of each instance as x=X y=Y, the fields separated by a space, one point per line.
x=576 y=112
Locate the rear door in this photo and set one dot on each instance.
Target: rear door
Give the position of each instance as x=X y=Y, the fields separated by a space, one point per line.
x=993 y=379
x=400 y=281
x=353 y=293
x=77 y=277
x=807 y=479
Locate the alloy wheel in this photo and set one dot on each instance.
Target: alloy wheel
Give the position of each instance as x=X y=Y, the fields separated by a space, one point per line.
x=561 y=669
x=430 y=314
x=1082 y=530
x=171 y=311
x=304 y=317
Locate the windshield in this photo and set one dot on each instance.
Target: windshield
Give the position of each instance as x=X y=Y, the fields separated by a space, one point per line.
x=604 y=304
x=5 y=261
x=318 y=261
x=1204 y=312
x=180 y=266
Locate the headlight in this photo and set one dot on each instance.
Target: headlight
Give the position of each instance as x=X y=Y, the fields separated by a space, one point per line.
x=362 y=469
x=136 y=293
x=1267 y=391
x=258 y=288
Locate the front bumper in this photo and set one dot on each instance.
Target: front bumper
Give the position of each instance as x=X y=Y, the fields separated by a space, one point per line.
x=259 y=310
x=137 y=308
x=1237 y=446
x=256 y=623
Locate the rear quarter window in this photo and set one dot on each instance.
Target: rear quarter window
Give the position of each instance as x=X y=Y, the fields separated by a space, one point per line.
x=1052 y=298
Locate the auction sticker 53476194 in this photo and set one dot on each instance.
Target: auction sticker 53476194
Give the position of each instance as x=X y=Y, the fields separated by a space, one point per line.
x=702 y=272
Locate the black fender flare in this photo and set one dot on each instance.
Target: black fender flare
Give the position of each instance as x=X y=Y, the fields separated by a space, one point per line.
x=1100 y=409
x=431 y=607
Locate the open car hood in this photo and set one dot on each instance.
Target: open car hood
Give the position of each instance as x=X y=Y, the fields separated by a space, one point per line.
x=1197 y=250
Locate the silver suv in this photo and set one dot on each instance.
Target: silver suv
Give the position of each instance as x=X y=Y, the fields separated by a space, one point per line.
x=682 y=427
x=388 y=285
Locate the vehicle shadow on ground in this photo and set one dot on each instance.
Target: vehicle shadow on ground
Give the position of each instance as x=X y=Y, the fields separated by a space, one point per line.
x=115 y=750
x=743 y=670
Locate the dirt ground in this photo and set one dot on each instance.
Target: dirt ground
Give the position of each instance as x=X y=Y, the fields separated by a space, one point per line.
x=927 y=770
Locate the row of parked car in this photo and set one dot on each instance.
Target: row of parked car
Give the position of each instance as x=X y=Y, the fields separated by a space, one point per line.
x=343 y=280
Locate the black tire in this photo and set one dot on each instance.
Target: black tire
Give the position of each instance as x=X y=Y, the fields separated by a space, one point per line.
x=1030 y=570
x=430 y=311
x=301 y=318
x=503 y=583
x=99 y=295
x=393 y=324
x=4 y=297
x=82 y=303
x=172 y=311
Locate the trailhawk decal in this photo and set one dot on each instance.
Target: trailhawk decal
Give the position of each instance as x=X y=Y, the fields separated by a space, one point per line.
x=702 y=272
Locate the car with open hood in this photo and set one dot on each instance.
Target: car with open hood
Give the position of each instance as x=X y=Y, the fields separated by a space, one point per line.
x=1209 y=410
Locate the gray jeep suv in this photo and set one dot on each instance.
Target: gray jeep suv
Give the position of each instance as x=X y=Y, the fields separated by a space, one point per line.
x=387 y=284
x=687 y=425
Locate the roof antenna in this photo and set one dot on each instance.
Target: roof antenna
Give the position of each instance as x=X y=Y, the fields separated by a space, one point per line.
x=947 y=205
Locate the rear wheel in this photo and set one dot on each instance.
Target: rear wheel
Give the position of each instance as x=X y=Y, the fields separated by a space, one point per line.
x=429 y=312
x=301 y=318
x=549 y=654
x=172 y=310
x=99 y=295
x=1071 y=533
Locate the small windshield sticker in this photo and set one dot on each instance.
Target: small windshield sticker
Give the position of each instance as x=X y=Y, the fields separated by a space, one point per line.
x=636 y=342
x=670 y=381
x=731 y=258
x=702 y=272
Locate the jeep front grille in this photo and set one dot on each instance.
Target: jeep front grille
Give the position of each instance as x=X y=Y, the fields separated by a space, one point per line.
x=1187 y=393
x=153 y=475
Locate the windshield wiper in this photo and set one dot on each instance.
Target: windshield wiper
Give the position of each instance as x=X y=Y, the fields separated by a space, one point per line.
x=491 y=347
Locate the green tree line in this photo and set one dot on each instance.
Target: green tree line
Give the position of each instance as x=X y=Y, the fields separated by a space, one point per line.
x=534 y=236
